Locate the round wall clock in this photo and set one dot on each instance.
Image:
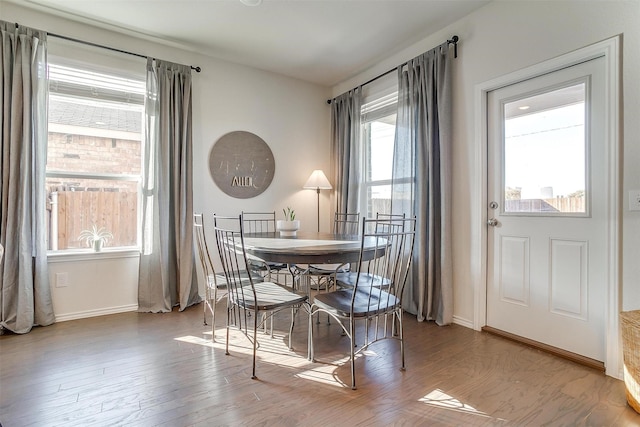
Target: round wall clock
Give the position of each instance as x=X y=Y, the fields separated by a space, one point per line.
x=241 y=164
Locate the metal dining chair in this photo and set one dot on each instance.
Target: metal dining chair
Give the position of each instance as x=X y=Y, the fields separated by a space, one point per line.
x=346 y=279
x=253 y=302
x=321 y=274
x=380 y=215
x=346 y=223
x=377 y=291
x=214 y=283
x=264 y=222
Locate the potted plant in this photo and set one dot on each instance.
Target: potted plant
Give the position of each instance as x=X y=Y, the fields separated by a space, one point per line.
x=290 y=225
x=96 y=237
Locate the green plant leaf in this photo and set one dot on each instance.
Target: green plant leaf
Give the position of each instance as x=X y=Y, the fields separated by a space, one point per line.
x=289 y=214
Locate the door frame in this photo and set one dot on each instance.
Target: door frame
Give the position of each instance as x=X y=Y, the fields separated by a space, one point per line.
x=610 y=50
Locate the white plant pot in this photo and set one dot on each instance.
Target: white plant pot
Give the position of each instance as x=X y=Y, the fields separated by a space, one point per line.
x=97 y=245
x=288 y=228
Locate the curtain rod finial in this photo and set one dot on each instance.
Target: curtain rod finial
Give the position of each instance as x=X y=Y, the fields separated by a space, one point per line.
x=454 y=40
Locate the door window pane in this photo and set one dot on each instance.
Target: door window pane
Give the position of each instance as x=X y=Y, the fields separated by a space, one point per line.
x=545 y=153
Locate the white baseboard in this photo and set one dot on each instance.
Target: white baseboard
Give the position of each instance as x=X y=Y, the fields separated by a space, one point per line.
x=463 y=322
x=94 y=313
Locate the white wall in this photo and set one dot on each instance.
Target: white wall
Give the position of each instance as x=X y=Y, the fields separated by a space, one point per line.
x=95 y=284
x=506 y=36
x=291 y=116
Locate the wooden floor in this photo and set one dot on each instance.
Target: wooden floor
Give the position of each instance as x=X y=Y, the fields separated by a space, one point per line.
x=161 y=369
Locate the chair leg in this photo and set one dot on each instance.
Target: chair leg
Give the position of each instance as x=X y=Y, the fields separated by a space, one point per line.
x=228 y=321
x=213 y=322
x=204 y=313
x=310 y=337
x=293 y=314
x=401 y=334
x=366 y=331
x=212 y=307
x=255 y=344
x=271 y=324
x=352 y=332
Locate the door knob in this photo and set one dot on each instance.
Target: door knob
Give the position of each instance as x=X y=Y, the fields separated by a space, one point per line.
x=492 y=222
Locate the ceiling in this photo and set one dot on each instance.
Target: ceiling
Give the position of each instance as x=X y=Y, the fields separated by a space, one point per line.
x=320 y=41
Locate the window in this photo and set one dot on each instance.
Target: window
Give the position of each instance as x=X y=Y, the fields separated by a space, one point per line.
x=94 y=153
x=378 y=118
x=545 y=148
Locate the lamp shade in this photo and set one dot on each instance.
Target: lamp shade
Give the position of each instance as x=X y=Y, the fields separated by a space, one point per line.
x=317 y=181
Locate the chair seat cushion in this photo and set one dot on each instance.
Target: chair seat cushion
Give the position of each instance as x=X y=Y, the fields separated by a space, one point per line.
x=367 y=302
x=366 y=280
x=325 y=269
x=259 y=265
x=270 y=296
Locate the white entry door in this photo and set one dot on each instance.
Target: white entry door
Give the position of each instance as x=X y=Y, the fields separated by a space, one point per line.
x=547 y=254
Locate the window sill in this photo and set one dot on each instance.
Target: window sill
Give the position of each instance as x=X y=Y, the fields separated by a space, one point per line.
x=87 y=254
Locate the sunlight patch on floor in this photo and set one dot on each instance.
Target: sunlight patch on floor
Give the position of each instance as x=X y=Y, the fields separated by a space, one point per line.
x=325 y=372
x=322 y=373
x=275 y=351
x=440 y=399
x=271 y=350
x=190 y=339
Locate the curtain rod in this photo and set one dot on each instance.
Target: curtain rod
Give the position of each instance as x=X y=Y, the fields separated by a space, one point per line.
x=453 y=40
x=196 y=68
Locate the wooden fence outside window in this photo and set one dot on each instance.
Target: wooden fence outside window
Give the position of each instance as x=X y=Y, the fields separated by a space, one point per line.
x=71 y=212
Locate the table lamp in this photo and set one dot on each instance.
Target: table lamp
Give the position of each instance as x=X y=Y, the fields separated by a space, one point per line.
x=318 y=181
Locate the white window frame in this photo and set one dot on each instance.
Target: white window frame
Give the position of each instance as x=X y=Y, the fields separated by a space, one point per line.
x=378 y=106
x=131 y=83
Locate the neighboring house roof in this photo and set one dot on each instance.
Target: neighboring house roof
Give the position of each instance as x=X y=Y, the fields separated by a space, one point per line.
x=94 y=116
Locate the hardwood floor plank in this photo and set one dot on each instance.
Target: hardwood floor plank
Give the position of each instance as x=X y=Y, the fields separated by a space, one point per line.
x=135 y=369
x=592 y=363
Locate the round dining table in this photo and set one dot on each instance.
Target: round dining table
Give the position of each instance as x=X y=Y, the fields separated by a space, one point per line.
x=312 y=247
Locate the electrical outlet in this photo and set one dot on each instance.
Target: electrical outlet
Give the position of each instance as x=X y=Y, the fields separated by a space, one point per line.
x=62 y=280
x=634 y=200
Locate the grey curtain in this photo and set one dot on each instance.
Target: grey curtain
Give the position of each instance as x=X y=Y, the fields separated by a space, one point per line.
x=345 y=139
x=167 y=265
x=423 y=128
x=25 y=298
